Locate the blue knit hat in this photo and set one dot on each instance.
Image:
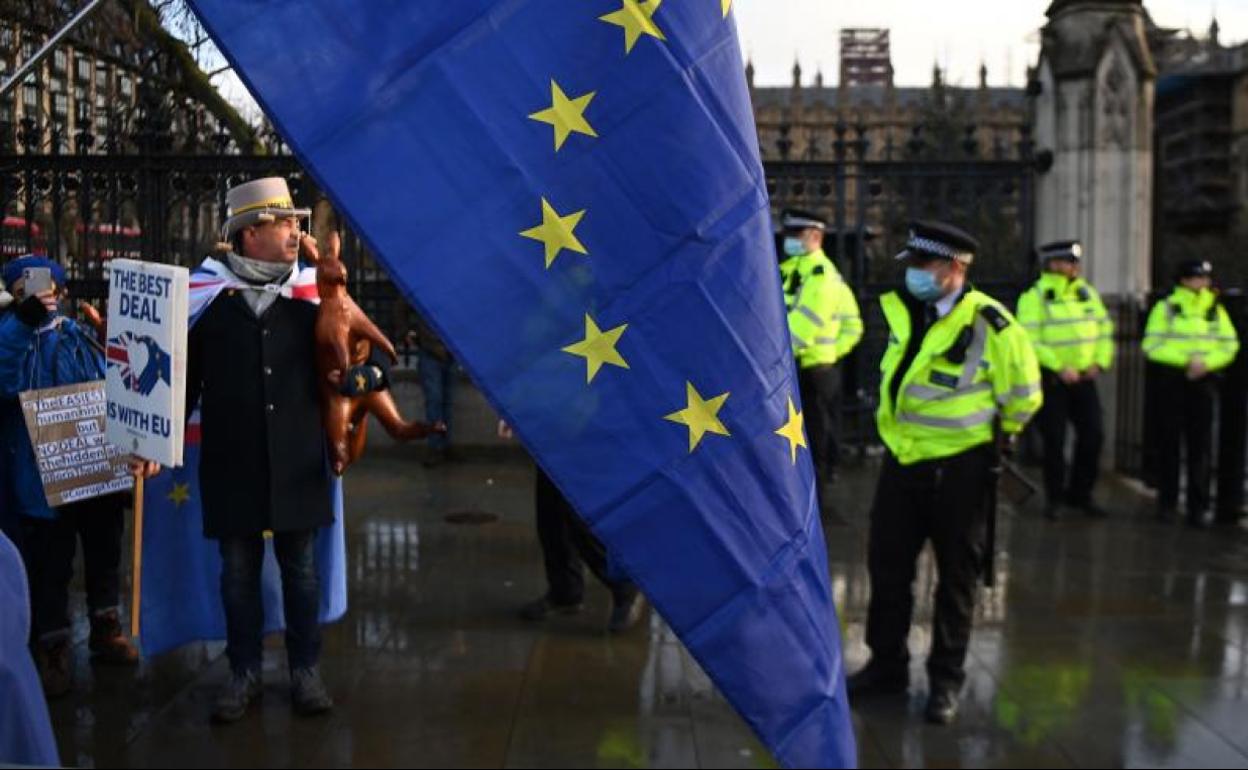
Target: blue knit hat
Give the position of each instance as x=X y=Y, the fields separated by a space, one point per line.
x=13 y=269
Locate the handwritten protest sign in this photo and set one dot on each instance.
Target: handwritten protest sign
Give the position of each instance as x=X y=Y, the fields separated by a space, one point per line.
x=76 y=461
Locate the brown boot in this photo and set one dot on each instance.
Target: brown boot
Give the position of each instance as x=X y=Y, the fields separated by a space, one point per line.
x=52 y=659
x=109 y=644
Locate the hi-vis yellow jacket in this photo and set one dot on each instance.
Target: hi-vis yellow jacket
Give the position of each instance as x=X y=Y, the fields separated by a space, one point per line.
x=824 y=320
x=975 y=368
x=1188 y=324
x=1068 y=324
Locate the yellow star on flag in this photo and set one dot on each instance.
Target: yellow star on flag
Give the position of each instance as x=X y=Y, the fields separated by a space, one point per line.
x=727 y=7
x=637 y=19
x=566 y=115
x=179 y=494
x=793 y=431
x=557 y=232
x=598 y=348
x=701 y=416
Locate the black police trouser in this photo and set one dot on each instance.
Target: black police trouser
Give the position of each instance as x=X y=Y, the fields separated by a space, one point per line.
x=1078 y=405
x=946 y=502
x=48 y=548
x=1186 y=421
x=567 y=544
x=820 y=387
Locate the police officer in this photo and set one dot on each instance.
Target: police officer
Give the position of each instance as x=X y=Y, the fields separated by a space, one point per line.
x=959 y=377
x=1073 y=338
x=1189 y=338
x=825 y=325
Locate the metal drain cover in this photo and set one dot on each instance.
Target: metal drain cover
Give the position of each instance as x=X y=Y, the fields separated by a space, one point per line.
x=471 y=518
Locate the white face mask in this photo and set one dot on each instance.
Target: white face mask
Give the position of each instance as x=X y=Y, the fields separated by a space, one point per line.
x=794 y=247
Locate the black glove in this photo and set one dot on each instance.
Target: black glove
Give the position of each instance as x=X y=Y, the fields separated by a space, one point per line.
x=362 y=380
x=1007 y=445
x=32 y=312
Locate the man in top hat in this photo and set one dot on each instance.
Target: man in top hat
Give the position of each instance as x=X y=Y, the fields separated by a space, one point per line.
x=1188 y=340
x=251 y=370
x=1074 y=341
x=825 y=326
x=959 y=378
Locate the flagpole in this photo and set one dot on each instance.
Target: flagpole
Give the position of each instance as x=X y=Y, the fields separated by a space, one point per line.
x=29 y=65
x=136 y=574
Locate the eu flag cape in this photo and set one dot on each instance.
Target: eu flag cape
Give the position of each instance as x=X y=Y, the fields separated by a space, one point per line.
x=571 y=191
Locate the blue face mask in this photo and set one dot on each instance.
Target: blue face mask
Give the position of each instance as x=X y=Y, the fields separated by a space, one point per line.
x=922 y=285
x=794 y=247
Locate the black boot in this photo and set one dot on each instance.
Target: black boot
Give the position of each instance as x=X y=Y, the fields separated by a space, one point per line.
x=308 y=693
x=875 y=680
x=540 y=609
x=625 y=612
x=1093 y=511
x=942 y=706
x=235 y=696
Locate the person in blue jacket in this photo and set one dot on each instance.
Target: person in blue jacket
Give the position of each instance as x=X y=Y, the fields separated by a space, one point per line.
x=41 y=348
x=25 y=728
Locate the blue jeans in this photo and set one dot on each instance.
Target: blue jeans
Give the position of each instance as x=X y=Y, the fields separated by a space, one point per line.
x=243 y=559
x=437 y=378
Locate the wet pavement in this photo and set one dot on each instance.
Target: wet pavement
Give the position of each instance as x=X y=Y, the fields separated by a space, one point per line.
x=1114 y=643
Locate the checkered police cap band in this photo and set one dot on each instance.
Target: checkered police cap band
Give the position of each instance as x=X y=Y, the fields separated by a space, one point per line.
x=936 y=248
x=802 y=223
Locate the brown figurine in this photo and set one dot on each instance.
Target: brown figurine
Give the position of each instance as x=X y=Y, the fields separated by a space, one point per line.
x=344 y=338
x=91 y=314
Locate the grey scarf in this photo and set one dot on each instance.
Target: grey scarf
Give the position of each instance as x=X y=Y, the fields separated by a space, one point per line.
x=264 y=275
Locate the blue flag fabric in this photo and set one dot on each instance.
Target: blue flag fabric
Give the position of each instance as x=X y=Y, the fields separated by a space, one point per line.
x=25 y=727
x=572 y=193
x=181 y=600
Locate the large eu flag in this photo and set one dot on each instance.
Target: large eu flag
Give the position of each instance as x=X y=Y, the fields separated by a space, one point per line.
x=571 y=191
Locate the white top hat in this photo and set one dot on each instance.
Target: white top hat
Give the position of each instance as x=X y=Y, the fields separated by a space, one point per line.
x=258 y=201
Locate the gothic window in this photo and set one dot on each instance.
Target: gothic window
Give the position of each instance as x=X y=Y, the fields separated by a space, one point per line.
x=101 y=76
x=1116 y=106
x=60 y=60
x=84 y=69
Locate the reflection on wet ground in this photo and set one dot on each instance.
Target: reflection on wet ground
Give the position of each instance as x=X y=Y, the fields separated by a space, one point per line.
x=1116 y=643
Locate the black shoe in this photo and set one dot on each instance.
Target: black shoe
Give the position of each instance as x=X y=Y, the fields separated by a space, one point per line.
x=308 y=693
x=1200 y=520
x=874 y=680
x=625 y=614
x=1053 y=511
x=1093 y=511
x=942 y=707
x=235 y=696
x=540 y=609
